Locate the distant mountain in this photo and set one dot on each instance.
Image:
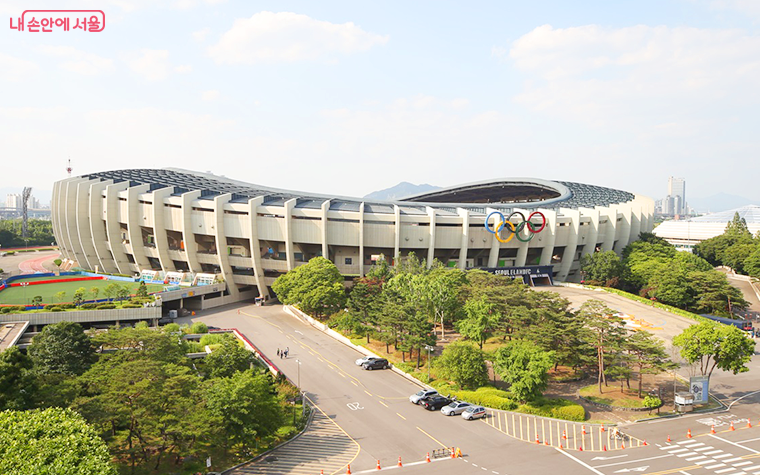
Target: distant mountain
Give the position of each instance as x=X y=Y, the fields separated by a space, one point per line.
x=402 y=190
x=719 y=202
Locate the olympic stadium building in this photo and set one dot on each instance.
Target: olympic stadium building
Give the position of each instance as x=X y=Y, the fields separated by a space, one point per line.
x=173 y=220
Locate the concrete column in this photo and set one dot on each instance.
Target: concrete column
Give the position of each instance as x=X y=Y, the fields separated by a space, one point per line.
x=159 y=228
x=636 y=221
x=548 y=237
x=397 y=237
x=361 y=239
x=84 y=228
x=522 y=251
x=188 y=233
x=325 y=208
x=493 y=254
x=465 y=242
x=610 y=231
x=431 y=245
x=70 y=223
x=221 y=243
x=134 y=223
x=98 y=231
x=288 y=208
x=572 y=242
x=624 y=231
x=258 y=270
x=112 y=216
x=56 y=218
x=589 y=244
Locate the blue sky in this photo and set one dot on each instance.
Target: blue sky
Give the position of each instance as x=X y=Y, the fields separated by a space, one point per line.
x=352 y=97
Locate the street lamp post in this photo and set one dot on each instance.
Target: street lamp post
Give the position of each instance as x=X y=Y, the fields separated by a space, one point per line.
x=429 y=349
x=298 y=387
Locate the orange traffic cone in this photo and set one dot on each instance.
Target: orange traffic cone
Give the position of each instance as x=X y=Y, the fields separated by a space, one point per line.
x=580 y=448
x=645 y=443
x=560 y=446
x=712 y=429
x=668 y=438
x=348 y=470
x=546 y=442
x=749 y=424
x=602 y=429
x=378 y=465
x=688 y=434
x=622 y=446
x=732 y=425
x=604 y=449
x=537 y=441
x=452 y=453
x=399 y=462
x=564 y=435
x=321 y=472
x=427 y=457
x=583 y=429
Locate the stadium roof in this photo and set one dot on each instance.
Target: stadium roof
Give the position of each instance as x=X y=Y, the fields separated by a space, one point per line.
x=505 y=193
x=750 y=213
x=705 y=227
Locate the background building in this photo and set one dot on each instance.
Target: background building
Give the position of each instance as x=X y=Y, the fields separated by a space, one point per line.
x=685 y=234
x=674 y=204
x=126 y=221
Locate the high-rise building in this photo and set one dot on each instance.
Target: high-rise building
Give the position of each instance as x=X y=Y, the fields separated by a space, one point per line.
x=13 y=201
x=677 y=190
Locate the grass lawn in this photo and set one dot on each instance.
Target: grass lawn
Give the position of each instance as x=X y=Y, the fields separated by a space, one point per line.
x=21 y=295
x=612 y=396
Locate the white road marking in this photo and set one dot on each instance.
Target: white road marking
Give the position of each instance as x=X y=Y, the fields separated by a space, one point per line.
x=725 y=470
x=597 y=472
x=678 y=450
x=741 y=464
x=717 y=465
x=722 y=456
x=701 y=457
x=633 y=461
x=737 y=400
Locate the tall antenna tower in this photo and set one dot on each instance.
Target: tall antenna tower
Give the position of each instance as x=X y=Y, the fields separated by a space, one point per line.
x=68 y=168
x=25 y=211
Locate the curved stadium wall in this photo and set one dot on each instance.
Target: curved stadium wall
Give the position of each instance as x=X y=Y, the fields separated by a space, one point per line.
x=125 y=221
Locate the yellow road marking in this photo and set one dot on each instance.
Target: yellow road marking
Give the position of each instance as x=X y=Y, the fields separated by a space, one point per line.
x=358 y=447
x=341 y=374
x=401 y=416
x=436 y=440
x=368 y=393
x=384 y=404
x=354 y=383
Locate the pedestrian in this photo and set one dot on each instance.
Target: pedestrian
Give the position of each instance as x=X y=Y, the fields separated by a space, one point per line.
x=278 y=352
x=287 y=350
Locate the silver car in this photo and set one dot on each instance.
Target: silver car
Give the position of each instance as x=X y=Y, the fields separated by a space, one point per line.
x=419 y=395
x=456 y=407
x=366 y=359
x=474 y=412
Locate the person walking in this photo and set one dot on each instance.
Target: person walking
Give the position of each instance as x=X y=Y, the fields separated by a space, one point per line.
x=278 y=352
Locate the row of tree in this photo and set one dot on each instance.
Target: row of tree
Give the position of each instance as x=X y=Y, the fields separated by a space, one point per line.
x=652 y=268
x=39 y=231
x=141 y=394
x=735 y=248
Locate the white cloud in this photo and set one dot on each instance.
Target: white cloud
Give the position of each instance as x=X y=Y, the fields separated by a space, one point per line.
x=183 y=69
x=152 y=64
x=640 y=75
x=78 y=61
x=16 y=69
x=210 y=95
x=201 y=34
x=287 y=37
x=747 y=7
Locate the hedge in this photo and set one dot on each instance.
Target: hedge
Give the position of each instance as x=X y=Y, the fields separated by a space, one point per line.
x=106 y=306
x=56 y=309
x=130 y=305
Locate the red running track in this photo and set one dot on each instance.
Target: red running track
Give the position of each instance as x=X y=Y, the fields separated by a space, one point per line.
x=31 y=266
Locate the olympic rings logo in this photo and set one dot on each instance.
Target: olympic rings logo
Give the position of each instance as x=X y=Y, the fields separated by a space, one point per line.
x=515 y=229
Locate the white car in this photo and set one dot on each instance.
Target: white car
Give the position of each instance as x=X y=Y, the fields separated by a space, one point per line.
x=474 y=412
x=366 y=359
x=419 y=395
x=456 y=407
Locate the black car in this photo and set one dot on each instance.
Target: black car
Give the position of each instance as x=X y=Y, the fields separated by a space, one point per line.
x=379 y=363
x=435 y=403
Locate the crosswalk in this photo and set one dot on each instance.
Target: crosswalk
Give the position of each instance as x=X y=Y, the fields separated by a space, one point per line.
x=708 y=457
x=323 y=446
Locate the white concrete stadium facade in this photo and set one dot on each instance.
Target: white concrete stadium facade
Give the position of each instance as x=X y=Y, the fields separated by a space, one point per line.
x=125 y=221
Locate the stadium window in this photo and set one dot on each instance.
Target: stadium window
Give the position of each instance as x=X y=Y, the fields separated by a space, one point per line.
x=349 y=261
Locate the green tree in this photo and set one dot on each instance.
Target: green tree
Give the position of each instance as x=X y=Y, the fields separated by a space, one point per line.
x=58 y=263
x=59 y=296
x=53 y=441
x=316 y=287
x=364 y=301
x=603 y=331
x=228 y=358
x=246 y=408
x=95 y=291
x=37 y=300
x=604 y=267
x=479 y=322
x=649 y=355
x=142 y=290
x=525 y=368
x=752 y=263
x=714 y=294
x=122 y=292
x=17 y=383
x=464 y=364
x=62 y=348
x=199 y=327
x=441 y=292
x=715 y=346
x=111 y=290
x=79 y=295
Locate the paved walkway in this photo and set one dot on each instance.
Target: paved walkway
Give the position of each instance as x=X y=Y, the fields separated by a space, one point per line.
x=322 y=446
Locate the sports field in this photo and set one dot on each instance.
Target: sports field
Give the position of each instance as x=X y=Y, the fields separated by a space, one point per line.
x=23 y=295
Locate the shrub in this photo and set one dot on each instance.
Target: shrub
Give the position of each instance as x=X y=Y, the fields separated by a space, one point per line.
x=652 y=402
x=105 y=306
x=18 y=308
x=171 y=328
x=67 y=305
x=570 y=413
x=88 y=306
x=212 y=339
x=5 y=310
x=199 y=327
x=130 y=305
x=10 y=253
x=142 y=324
x=49 y=306
x=56 y=309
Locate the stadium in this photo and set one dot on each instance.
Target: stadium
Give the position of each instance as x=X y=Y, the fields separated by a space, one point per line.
x=178 y=221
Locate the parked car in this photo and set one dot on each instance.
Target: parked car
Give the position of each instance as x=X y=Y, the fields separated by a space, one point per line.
x=456 y=407
x=415 y=398
x=474 y=412
x=434 y=403
x=379 y=363
x=365 y=359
